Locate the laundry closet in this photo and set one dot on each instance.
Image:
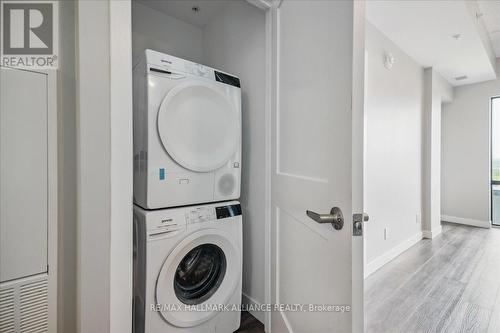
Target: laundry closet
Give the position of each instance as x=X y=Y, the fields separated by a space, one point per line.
x=229 y=37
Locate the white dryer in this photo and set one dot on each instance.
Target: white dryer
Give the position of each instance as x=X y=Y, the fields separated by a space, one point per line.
x=187 y=133
x=187 y=269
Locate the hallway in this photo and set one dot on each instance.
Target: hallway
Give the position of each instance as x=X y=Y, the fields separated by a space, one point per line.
x=449 y=284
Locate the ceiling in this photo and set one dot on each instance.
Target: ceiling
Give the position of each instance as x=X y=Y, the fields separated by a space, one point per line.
x=183 y=9
x=442 y=34
x=422 y=29
x=490 y=10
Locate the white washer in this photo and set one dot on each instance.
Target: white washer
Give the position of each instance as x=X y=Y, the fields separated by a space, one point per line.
x=187 y=265
x=187 y=133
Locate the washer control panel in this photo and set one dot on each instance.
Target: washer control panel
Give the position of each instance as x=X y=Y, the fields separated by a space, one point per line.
x=200 y=214
x=228 y=211
x=208 y=214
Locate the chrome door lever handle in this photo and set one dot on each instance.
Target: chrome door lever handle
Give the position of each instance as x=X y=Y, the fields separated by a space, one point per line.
x=336 y=218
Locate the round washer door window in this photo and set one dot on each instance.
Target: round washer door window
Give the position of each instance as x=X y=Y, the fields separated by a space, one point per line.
x=198 y=126
x=204 y=268
x=199 y=274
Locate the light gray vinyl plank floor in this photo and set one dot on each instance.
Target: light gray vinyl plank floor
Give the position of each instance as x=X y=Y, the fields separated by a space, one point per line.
x=448 y=284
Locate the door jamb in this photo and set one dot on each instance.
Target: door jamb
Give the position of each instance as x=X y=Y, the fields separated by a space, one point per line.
x=490 y=160
x=268 y=7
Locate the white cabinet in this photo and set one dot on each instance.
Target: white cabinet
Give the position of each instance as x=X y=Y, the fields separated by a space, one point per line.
x=23 y=174
x=28 y=201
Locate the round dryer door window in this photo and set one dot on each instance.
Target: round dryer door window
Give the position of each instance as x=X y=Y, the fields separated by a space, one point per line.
x=202 y=270
x=198 y=126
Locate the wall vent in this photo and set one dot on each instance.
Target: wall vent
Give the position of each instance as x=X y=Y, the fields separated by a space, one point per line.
x=460 y=78
x=7 y=320
x=34 y=307
x=24 y=305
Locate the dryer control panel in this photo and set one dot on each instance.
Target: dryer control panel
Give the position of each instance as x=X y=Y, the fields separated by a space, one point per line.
x=160 y=62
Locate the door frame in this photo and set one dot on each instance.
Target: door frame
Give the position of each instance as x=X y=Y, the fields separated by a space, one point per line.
x=104 y=166
x=490 y=164
x=53 y=196
x=270 y=96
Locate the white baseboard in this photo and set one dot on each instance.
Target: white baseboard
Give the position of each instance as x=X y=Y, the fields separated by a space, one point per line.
x=461 y=220
x=380 y=261
x=432 y=233
x=247 y=300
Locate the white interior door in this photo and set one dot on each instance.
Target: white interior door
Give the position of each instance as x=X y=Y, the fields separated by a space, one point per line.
x=315 y=163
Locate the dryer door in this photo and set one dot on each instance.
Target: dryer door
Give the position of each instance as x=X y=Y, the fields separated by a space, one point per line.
x=203 y=272
x=198 y=126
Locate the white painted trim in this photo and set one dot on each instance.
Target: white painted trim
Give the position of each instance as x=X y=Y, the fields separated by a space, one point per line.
x=490 y=152
x=357 y=166
x=52 y=204
x=466 y=221
x=265 y=317
x=430 y=234
x=388 y=256
x=268 y=167
x=104 y=166
x=262 y=4
x=121 y=252
x=93 y=166
x=251 y=302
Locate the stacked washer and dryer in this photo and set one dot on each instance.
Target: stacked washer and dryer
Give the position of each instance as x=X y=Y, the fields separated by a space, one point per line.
x=187 y=226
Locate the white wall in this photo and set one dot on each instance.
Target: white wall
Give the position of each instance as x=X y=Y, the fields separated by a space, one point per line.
x=393 y=127
x=155 y=30
x=235 y=42
x=466 y=153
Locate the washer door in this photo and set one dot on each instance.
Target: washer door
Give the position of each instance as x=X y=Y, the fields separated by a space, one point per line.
x=204 y=268
x=198 y=126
